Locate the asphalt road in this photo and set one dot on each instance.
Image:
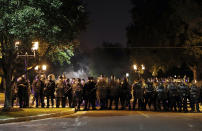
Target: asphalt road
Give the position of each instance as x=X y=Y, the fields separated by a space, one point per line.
x=113 y=121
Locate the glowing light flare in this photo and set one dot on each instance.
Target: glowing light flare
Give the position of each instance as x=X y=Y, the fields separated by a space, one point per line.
x=35 y=46
x=17 y=43
x=36 y=68
x=127 y=74
x=143 y=67
x=135 y=67
x=44 y=67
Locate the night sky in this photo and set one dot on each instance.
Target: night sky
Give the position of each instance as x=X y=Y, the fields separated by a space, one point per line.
x=108 y=22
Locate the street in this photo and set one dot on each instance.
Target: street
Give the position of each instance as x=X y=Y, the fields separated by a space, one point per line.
x=113 y=120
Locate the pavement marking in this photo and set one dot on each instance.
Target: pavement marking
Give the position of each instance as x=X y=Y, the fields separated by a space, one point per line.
x=143 y=114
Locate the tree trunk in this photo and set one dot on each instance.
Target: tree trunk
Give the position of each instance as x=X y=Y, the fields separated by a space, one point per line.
x=195 y=74
x=194 y=70
x=8 y=92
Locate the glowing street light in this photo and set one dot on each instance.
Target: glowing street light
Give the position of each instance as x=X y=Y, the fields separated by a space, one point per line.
x=40 y=69
x=17 y=43
x=35 y=46
x=127 y=74
x=143 y=67
x=139 y=69
x=135 y=67
x=44 y=67
x=36 y=68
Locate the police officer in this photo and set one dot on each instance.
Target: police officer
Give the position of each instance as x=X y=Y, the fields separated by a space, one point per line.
x=114 y=92
x=86 y=94
x=67 y=93
x=126 y=94
x=22 y=86
x=149 y=95
x=161 y=97
x=59 y=91
x=194 y=98
x=92 y=88
x=102 y=91
x=78 y=96
x=38 y=87
x=173 y=96
x=184 y=95
x=138 y=93
x=50 y=90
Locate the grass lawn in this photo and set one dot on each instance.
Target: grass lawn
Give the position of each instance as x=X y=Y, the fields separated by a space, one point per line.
x=32 y=112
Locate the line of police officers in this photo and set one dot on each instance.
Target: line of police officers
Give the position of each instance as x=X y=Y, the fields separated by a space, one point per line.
x=109 y=93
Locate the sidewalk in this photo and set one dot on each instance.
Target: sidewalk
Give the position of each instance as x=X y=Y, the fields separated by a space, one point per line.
x=33 y=114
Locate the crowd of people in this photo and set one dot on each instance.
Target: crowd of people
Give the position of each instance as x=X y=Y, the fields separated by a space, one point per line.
x=108 y=93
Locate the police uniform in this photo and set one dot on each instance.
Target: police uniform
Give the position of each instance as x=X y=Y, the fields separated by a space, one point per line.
x=114 y=93
x=67 y=93
x=161 y=97
x=173 y=96
x=125 y=94
x=86 y=94
x=50 y=90
x=149 y=95
x=184 y=95
x=23 y=95
x=102 y=92
x=77 y=94
x=194 y=97
x=59 y=92
x=38 y=87
x=138 y=93
x=92 y=90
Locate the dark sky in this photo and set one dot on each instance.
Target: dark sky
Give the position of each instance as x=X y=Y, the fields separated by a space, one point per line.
x=108 y=21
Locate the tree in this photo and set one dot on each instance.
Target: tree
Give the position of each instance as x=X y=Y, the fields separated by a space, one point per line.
x=54 y=23
x=167 y=23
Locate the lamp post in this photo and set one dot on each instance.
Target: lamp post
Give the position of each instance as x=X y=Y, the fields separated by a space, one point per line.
x=139 y=69
x=34 y=48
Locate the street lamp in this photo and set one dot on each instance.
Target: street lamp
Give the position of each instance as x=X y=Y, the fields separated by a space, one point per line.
x=44 y=67
x=17 y=43
x=143 y=67
x=127 y=75
x=40 y=69
x=34 y=48
x=139 y=69
x=135 y=67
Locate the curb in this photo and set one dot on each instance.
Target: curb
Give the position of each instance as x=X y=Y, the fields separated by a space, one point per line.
x=38 y=117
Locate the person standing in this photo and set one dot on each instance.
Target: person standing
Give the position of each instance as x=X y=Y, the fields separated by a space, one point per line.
x=78 y=94
x=184 y=95
x=86 y=94
x=38 y=87
x=92 y=89
x=173 y=96
x=67 y=93
x=22 y=91
x=126 y=94
x=50 y=90
x=113 y=92
x=161 y=97
x=149 y=95
x=102 y=91
x=194 y=98
x=59 y=91
x=138 y=93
